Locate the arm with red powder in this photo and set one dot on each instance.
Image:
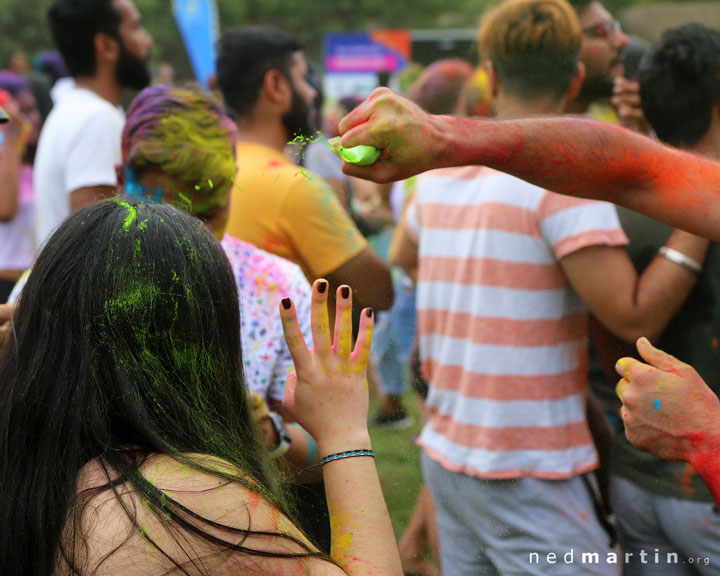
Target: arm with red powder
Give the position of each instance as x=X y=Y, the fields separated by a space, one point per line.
x=670 y=412
x=571 y=156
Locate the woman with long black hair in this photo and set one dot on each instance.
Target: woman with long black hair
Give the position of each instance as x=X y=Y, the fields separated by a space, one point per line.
x=126 y=442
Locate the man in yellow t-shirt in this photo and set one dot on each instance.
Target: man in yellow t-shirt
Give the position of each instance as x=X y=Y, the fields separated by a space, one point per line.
x=279 y=207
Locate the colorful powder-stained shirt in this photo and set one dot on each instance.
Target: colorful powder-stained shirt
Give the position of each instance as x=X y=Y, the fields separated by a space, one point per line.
x=262 y=281
x=503 y=337
x=288 y=211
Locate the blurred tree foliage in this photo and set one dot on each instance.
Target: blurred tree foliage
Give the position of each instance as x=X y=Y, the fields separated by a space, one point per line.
x=23 y=27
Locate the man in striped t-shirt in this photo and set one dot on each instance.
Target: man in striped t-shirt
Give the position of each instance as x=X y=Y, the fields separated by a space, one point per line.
x=507 y=273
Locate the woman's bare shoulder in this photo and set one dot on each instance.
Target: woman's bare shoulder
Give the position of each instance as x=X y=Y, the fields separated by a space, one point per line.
x=124 y=533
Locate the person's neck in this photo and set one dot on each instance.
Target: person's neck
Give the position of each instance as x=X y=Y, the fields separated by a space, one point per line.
x=107 y=88
x=709 y=145
x=510 y=107
x=268 y=133
x=218 y=225
x=578 y=105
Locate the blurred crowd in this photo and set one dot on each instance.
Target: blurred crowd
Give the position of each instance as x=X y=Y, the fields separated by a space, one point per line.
x=190 y=281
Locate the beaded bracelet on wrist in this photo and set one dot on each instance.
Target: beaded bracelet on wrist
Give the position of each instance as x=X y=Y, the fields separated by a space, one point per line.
x=341 y=456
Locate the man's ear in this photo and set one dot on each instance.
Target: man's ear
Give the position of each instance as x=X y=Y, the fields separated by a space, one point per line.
x=276 y=89
x=120 y=175
x=493 y=81
x=577 y=82
x=107 y=48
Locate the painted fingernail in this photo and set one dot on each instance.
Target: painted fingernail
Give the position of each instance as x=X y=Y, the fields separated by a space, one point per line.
x=286 y=303
x=345 y=291
x=322 y=286
x=369 y=312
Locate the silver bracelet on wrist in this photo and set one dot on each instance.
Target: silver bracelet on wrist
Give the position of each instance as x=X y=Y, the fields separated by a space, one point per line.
x=680 y=259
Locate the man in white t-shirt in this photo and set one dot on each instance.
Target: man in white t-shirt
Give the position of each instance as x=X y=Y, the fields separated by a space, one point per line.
x=106 y=50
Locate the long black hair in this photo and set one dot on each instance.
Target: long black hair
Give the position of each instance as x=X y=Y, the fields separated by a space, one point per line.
x=125 y=343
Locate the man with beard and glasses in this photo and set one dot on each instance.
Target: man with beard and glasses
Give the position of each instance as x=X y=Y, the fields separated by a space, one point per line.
x=106 y=50
x=279 y=207
x=600 y=53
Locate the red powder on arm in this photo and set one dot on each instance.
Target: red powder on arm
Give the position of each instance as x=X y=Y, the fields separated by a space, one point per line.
x=707 y=461
x=594 y=160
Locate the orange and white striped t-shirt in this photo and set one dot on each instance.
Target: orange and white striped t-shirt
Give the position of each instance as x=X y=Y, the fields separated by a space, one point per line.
x=503 y=337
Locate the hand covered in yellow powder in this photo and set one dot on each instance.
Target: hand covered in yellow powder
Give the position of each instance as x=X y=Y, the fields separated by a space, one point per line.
x=327 y=394
x=668 y=410
x=409 y=138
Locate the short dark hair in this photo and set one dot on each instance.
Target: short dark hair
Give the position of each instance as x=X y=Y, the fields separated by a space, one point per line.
x=74 y=25
x=533 y=45
x=680 y=83
x=244 y=57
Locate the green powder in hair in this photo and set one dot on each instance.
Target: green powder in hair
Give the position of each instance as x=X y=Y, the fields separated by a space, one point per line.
x=136 y=298
x=131 y=215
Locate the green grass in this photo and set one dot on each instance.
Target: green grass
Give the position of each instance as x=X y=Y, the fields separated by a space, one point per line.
x=398 y=462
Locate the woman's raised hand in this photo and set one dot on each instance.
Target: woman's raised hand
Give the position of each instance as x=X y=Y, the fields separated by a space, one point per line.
x=328 y=394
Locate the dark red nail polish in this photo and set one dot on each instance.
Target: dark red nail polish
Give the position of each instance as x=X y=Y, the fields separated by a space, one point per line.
x=345 y=292
x=286 y=303
x=369 y=312
x=322 y=286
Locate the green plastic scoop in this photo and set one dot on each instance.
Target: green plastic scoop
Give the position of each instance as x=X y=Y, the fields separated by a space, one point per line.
x=360 y=155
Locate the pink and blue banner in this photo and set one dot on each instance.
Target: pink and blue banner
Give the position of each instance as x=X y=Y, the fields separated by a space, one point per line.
x=379 y=51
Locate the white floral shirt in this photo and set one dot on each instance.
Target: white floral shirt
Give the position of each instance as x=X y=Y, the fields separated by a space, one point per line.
x=263 y=279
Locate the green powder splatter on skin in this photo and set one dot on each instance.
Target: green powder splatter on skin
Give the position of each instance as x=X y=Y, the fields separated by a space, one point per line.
x=143 y=225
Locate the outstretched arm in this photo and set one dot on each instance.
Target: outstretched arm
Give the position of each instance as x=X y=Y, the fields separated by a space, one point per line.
x=571 y=156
